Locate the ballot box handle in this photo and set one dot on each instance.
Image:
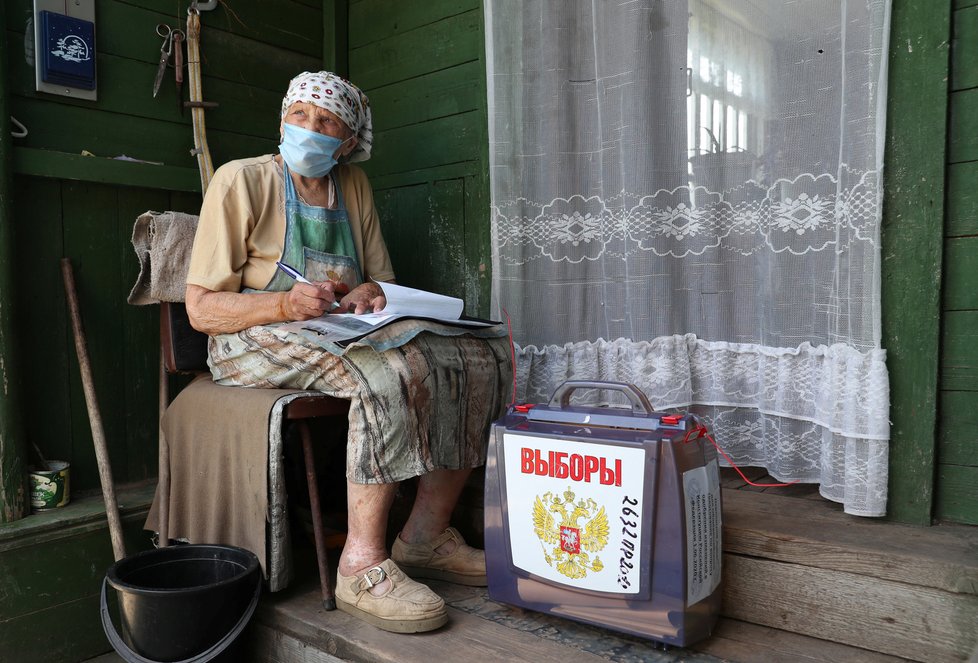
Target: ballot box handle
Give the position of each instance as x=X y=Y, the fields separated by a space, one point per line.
x=640 y=402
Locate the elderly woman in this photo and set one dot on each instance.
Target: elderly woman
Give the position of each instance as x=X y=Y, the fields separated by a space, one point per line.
x=422 y=394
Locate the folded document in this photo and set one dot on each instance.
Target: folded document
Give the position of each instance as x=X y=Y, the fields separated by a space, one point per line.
x=402 y=303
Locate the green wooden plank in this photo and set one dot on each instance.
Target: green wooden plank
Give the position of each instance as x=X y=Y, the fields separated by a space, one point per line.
x=36 y=577
x=283 y=23
x=66 y=632
x=65 y=128
x=374 y=20
x=61 y=165
x=963 y=126
x=227 y=147
x=14 y=498
x=964 y=49
x=68 y=129
x=961 y=4
x=958 y=437
x=17 y=13
x=67 y=625
x=478 y=244
x=959 y=359
x=423 y=230
x=478 y=241
x=390 y=203
x=237 y=59
x=430 y=96
x=962 y=199
x=957 y=494
x=83 y=514
x=42 y=324
x=439 y=142
x=913 y=217
x=91 y=241
x=226 y=56
x=422 y=175
x=444 y=44
x=267 y=28
x=445 y=221
x=223 y=55
x=140 y=346
x=243 y=108
x=336 y=36
x=184 y=202
x=961 y=273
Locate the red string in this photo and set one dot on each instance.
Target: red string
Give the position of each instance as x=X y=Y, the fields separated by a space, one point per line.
x=512 y=354
x=701 y=432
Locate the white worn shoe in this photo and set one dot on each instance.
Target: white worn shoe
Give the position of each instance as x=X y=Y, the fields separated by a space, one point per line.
x=406 y=607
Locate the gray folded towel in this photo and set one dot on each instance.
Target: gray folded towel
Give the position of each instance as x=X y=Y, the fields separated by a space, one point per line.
x=162 y=241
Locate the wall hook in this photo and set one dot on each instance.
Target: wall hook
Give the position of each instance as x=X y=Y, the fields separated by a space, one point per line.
x=21 y=129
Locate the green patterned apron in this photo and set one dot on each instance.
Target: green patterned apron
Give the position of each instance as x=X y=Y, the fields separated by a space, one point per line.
x=318 y=241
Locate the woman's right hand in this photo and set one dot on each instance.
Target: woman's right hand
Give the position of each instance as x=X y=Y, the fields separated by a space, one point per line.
x=306 y=301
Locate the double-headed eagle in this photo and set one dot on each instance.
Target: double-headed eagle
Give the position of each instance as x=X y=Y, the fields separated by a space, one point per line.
x=555 y=521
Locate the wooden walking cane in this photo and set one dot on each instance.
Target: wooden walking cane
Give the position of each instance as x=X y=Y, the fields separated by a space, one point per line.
x=94 y=418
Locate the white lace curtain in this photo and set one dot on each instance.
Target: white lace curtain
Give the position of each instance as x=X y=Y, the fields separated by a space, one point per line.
x=686 y=196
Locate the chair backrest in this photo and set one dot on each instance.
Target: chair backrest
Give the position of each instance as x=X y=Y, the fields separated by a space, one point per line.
x=184 y=348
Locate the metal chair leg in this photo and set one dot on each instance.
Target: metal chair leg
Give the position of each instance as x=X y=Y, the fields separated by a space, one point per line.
x=329 y=603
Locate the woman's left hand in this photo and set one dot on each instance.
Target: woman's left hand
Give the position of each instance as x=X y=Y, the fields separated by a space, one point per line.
x=365 y=298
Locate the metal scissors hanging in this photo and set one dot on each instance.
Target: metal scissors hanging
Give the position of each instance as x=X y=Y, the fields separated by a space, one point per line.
x=168 y=34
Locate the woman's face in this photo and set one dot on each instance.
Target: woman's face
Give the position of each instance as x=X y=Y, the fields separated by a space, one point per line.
x=313 y=118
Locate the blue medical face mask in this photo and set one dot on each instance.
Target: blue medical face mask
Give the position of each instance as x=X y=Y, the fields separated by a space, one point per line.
x=308 y=153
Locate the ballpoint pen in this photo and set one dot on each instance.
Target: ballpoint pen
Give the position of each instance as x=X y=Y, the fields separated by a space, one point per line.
x=294 y=273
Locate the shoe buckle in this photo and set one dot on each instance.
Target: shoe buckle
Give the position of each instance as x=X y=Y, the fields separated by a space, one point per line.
x=379 y=576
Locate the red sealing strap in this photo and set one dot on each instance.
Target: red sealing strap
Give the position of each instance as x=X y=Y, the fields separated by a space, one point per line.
x=700 y=431
x=523 y=407
x=671 y=420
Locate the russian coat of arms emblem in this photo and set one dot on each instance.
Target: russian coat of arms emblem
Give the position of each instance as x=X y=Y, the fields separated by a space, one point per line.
x=557 y=522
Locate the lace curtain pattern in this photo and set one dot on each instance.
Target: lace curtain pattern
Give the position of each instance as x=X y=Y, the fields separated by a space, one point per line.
x=686 y=196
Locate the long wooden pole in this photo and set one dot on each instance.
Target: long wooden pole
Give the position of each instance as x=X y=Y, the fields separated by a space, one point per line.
x=163 y=483
x=94 y=418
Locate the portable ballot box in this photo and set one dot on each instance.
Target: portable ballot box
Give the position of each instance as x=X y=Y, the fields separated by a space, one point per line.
x=605 y=515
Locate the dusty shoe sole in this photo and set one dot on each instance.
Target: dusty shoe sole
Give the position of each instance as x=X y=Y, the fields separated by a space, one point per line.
x=394 y=625
x=415 y=572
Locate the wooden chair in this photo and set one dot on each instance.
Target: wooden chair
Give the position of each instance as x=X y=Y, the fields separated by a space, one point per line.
x=185 y=351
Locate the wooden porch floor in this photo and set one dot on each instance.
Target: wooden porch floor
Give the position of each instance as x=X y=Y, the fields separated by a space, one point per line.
x=292 y=626
x=800 y=577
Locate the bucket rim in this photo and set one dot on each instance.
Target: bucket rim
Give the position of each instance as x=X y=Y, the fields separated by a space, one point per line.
x=248 y=562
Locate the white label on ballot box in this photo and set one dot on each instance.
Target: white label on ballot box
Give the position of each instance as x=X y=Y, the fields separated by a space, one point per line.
x=703 y=531
x=575 y=511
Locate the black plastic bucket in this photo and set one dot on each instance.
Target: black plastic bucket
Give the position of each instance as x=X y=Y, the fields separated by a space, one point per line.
x=182 y=603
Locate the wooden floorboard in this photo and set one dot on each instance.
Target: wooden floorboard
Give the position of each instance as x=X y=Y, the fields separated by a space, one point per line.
x=797 y=569
x=919 y=623
x=749 y=643
x=467 y=637
x=818 y=534
x=293 y=626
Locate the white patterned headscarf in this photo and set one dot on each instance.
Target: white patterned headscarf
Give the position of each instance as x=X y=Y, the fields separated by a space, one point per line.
x=340 y=97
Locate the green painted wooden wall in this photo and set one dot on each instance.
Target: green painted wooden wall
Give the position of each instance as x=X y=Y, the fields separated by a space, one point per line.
x=912 y=225
x=957 y=458
x=422 y=65
x=84 y=207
